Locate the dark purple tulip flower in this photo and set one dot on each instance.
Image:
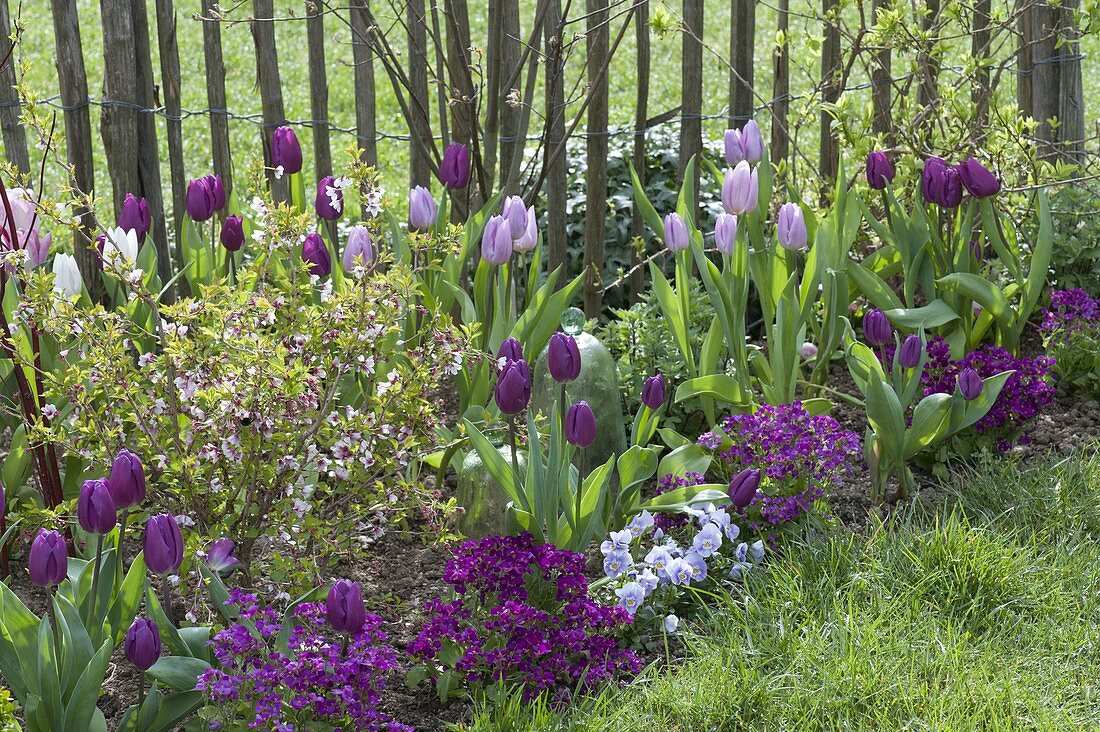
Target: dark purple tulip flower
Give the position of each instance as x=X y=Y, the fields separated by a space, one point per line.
x=95 y=508
x=513 y=390
x=232 y=236
x=880 y=171
x=743 y=487
x=940 y=183
x=653 y=392
x=510 y=350
x=910 y=353
x=877 y=329
x=286 y=150
x=49 y=559
x=970 y=384
x=344 y=603
x=134 y=215
x=200 y=203
x=977 y=179
x=142 y=644
x=217 y=189
x=127 y=480
x=580 y=425
x=220 y=557
x=330 y=199
x=163 y=544
x=316 y=254
x=564 y=358
x=454 y=170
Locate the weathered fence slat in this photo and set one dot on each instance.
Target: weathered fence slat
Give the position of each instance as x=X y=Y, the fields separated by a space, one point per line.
x=271 y=89
x=742 y=50
x=881 y=81
x=420 y=137
x=118 y=118
x=464 y=104
x=781 y=86
x=979 y=49
x=318 y=89
x=829 y=151
x=553 y=137
x=15 y=137
x=691 y=108
x=509 y=69
x=596 y=172
x=365 y=112
x=641 y=114
x=215 y=96
x=170 y=89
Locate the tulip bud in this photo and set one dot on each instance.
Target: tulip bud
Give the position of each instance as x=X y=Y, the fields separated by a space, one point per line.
x=329 y=202
x=142 y=644
x=752 y=142
x=734 y=148
x=454 y=170
x=580 y=425
x=515 y=213
x=530 y=237
x=791 y=227
x=120 y=246
x=977 y=179
x=220 y=557
x=199 y=203
x=676 y=233
x=316 y=254
x=940 y=184
x=725 y=232
x=286 y=151
x=66 y=275
x=741 y=189
x=653 y=392
x=510 y=350
x=134 y=215
x=163 y=544
x=232 y=236
x=217 y=191
x=95 y=509
x=49 y=559
x=496 y=241
x=422 y=211
x=359 y=251
x=807 y=351
x=970 y=384
x=877 y=329
x=344 y=603
x=127 y=480
x=564 y=358
x=743 y=486
x=38 y=248
x=513 y=390
x=880 y=171
x=911 y=350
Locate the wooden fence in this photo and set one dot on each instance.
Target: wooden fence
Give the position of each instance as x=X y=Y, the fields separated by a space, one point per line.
x=529 y=84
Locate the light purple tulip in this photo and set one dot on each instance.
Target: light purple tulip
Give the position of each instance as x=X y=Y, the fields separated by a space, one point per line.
x=725 y=232
x=676 y=233
x=496 y=241
x=791 y=227
x=741 y=189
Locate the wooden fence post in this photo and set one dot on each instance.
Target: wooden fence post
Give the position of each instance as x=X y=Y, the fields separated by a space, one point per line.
x=463 y=103
x=829 y=152
x=881 y=82
x=365 y=115
x=781 y=86
x=215 y=95
x=118 y=118
x=271 y=89
x=15 y=137
x=553 y=137
x=691 y=110
x=170 y=88
x=510 y=145
x=1071 y=98
x=742 y=50
x=928 y=69
x=73 y=82
x=420 y=133
x=641 y=114
x=596 y=174
x=1050 y=86
x=979 y=49
x=318 y=89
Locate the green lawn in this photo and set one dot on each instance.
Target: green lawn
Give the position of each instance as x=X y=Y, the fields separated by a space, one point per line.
x=981 y=613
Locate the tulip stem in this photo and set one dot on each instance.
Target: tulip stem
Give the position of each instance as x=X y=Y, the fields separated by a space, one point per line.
x=141 y=697
x=118 y=550
x=515 y=460
x=487 y=321
x=166 y=596
x=95 y=581
x=344 y=645
x=53 y=623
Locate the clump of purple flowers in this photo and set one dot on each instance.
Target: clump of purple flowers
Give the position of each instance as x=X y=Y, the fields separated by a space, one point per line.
x=521 y=616
x=314 y=680
x=1023 y=397
x=801 y=455
x=1070 y=310
x=1071 y=334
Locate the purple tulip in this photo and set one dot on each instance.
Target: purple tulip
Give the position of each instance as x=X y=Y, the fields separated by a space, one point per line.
x=911 y=350
x=49 y=559
x=515 y=213
x=220 y=557
x=329 y=202
x=877 y=329
x=741 y=189
x=286 y=151
x=725 y=232
x=580 y=425
x=530 y=237
x=232 y=235
x=653 y=392
x=752 y=142
x=200 y=203
x=344 y=604
x=940 y=183
x=676 y=233
x=880 y=171
x=142 y=644
x=95 y=508
x=127 y=480
x=217 y=190
x=454 y=170
x=808 y=351
x=563 y=357
x=163 y=544
x=496 y=241
x=134 y=215
x=316 y=254
x=510 y=350
x=359 y=247
x=970 y=384
x=977 y=179
x=743 y=488
x=791 y=227
x=733 y=147
x=422 y=210
x=513 y=390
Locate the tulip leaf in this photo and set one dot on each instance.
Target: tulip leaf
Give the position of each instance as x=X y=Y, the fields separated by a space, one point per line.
x=721 y=387
x=649 y=213
x=178 y=672
x=128 y=599
x=930 y=418
x=81 y=707
x=674 y=500
x=672 y=438
x=542 y=318
x=873 y=287
x=979 y=289
x=670 y=305
x=196 y=638
x=18 y=644
x=497 y=466
x=690 y=458
x=977 y=408
x=932 y=315
x=886 y=416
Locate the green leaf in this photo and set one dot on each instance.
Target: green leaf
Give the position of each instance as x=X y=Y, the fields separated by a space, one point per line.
x=932 y=315
x=979 y=289
x=672 y=438
x=689 y=458
x=649 y=213
x=126 y=602
x=675 y=500
x=886 y=417
x=977 y=408
x=930 y=418
x=670 y=305
x=81 y=706
x=178 y=672
x=721 y=387
x=538 y=322
x=19 y=629
x=873 y=287
x=497 y=466
x=196 y=638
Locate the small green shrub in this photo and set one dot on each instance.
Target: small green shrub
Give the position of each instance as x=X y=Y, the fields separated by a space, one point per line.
x=1076 y=259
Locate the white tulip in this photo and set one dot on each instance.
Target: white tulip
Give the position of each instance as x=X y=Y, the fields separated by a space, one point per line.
x=120 y=245
x=66 y=275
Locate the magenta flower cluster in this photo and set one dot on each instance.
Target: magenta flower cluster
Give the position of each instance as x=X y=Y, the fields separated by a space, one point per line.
x=1070 y=310
x=263 y=688
x=1023 y=397
x=521 y=616
x=800 y=454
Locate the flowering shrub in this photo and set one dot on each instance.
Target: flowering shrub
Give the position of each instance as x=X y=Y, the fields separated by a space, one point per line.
x=1071 y=335
x=1023 y=397
x=521 y=616
x=801 y=456
x=315 y=679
